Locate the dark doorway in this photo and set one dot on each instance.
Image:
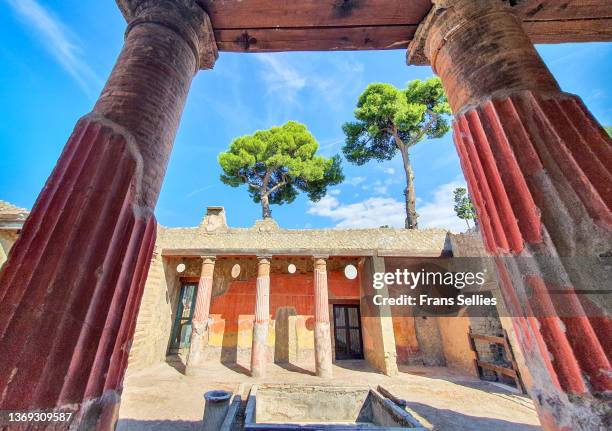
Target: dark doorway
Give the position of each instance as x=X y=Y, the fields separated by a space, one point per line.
x=347 y=332
x=181 y=330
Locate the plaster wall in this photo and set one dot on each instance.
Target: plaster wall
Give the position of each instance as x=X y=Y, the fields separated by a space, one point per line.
x=377 y=322
x=291 y=328
x=454 y=332
x=417 y=334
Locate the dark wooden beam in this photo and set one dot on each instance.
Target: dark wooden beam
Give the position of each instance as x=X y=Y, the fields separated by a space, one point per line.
x=328 y=25
x=320 y=39
x=560 y=10
x=591 y=30
x=250 y=14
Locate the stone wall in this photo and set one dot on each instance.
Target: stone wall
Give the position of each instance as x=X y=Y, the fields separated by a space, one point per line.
x=213 y=238
x=154 y=319
x=470 y=244
x=7 y=239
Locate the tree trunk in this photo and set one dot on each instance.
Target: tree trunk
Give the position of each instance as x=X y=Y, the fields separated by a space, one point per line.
x=468 y=223
x=409 y=194
x=265 y=207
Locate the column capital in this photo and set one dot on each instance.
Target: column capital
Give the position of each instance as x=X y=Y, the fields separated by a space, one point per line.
x=264 y=257
x=208 y=267
x=185 y=17
x=480 y=50
x=320 y=261
x=436 y=25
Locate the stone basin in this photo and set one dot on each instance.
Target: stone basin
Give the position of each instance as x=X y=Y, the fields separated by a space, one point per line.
x=277 y=407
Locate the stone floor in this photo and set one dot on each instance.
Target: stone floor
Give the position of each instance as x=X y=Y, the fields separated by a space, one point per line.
x=161 y=398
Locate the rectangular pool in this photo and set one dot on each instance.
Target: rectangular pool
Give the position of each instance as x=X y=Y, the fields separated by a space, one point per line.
x=278 y=407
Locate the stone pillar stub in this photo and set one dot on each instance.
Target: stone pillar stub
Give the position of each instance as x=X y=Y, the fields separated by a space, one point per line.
x=384 y=313
x=96 y=212
x=537 y=167
x=259 y=350
x=199 y=334
x=322 y=331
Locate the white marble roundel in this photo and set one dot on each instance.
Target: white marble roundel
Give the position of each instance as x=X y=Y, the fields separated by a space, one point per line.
x=350 y=272
x=180 y=268
x=291 y=268
x=235 y=271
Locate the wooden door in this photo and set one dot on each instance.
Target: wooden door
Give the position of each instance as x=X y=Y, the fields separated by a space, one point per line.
x=347 y=332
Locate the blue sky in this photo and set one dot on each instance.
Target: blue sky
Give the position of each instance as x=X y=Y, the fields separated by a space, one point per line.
x=55 y=56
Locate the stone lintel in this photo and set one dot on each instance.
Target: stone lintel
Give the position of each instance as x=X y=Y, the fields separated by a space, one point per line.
x=188 y=252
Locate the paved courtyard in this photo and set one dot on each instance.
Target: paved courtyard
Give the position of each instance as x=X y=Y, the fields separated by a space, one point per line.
x=161 y=398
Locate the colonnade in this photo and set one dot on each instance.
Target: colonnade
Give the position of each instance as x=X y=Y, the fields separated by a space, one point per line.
x=259 y=349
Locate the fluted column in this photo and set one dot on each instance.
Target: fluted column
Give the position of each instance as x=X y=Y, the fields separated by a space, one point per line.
x=259 y=350
x=322 y=332
x=71 y=288
x=199 y=334
x=539 y=169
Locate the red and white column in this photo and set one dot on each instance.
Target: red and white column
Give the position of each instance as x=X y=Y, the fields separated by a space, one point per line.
x=539 y=169
x=259 y=350
x=199 y=334
x=322 y=332
x=71 y=288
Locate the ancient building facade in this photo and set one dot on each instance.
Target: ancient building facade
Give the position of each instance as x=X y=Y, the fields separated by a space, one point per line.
x=211 y=288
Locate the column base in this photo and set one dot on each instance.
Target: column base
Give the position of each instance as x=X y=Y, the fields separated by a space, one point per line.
x=199 y=340
x=323 y=353
x=259 y=351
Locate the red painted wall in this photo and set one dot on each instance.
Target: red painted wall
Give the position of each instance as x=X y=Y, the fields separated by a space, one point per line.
x=286 y=290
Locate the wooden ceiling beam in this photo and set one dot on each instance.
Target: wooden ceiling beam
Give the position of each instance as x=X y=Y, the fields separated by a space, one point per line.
x=560 y=10
x=321 y=39
x=592 y=30
x=328 y=25
x=250 y=14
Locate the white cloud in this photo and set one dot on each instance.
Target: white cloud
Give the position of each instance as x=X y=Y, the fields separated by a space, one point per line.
x=372 y=212
x=390 y=171
x=58 y=40
x=355 y=181
x=439 y=211
x=280 y=77
x=287 y=79
x=195 y=192
x=380 y=189
x=334 y=192
x=379 y=210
